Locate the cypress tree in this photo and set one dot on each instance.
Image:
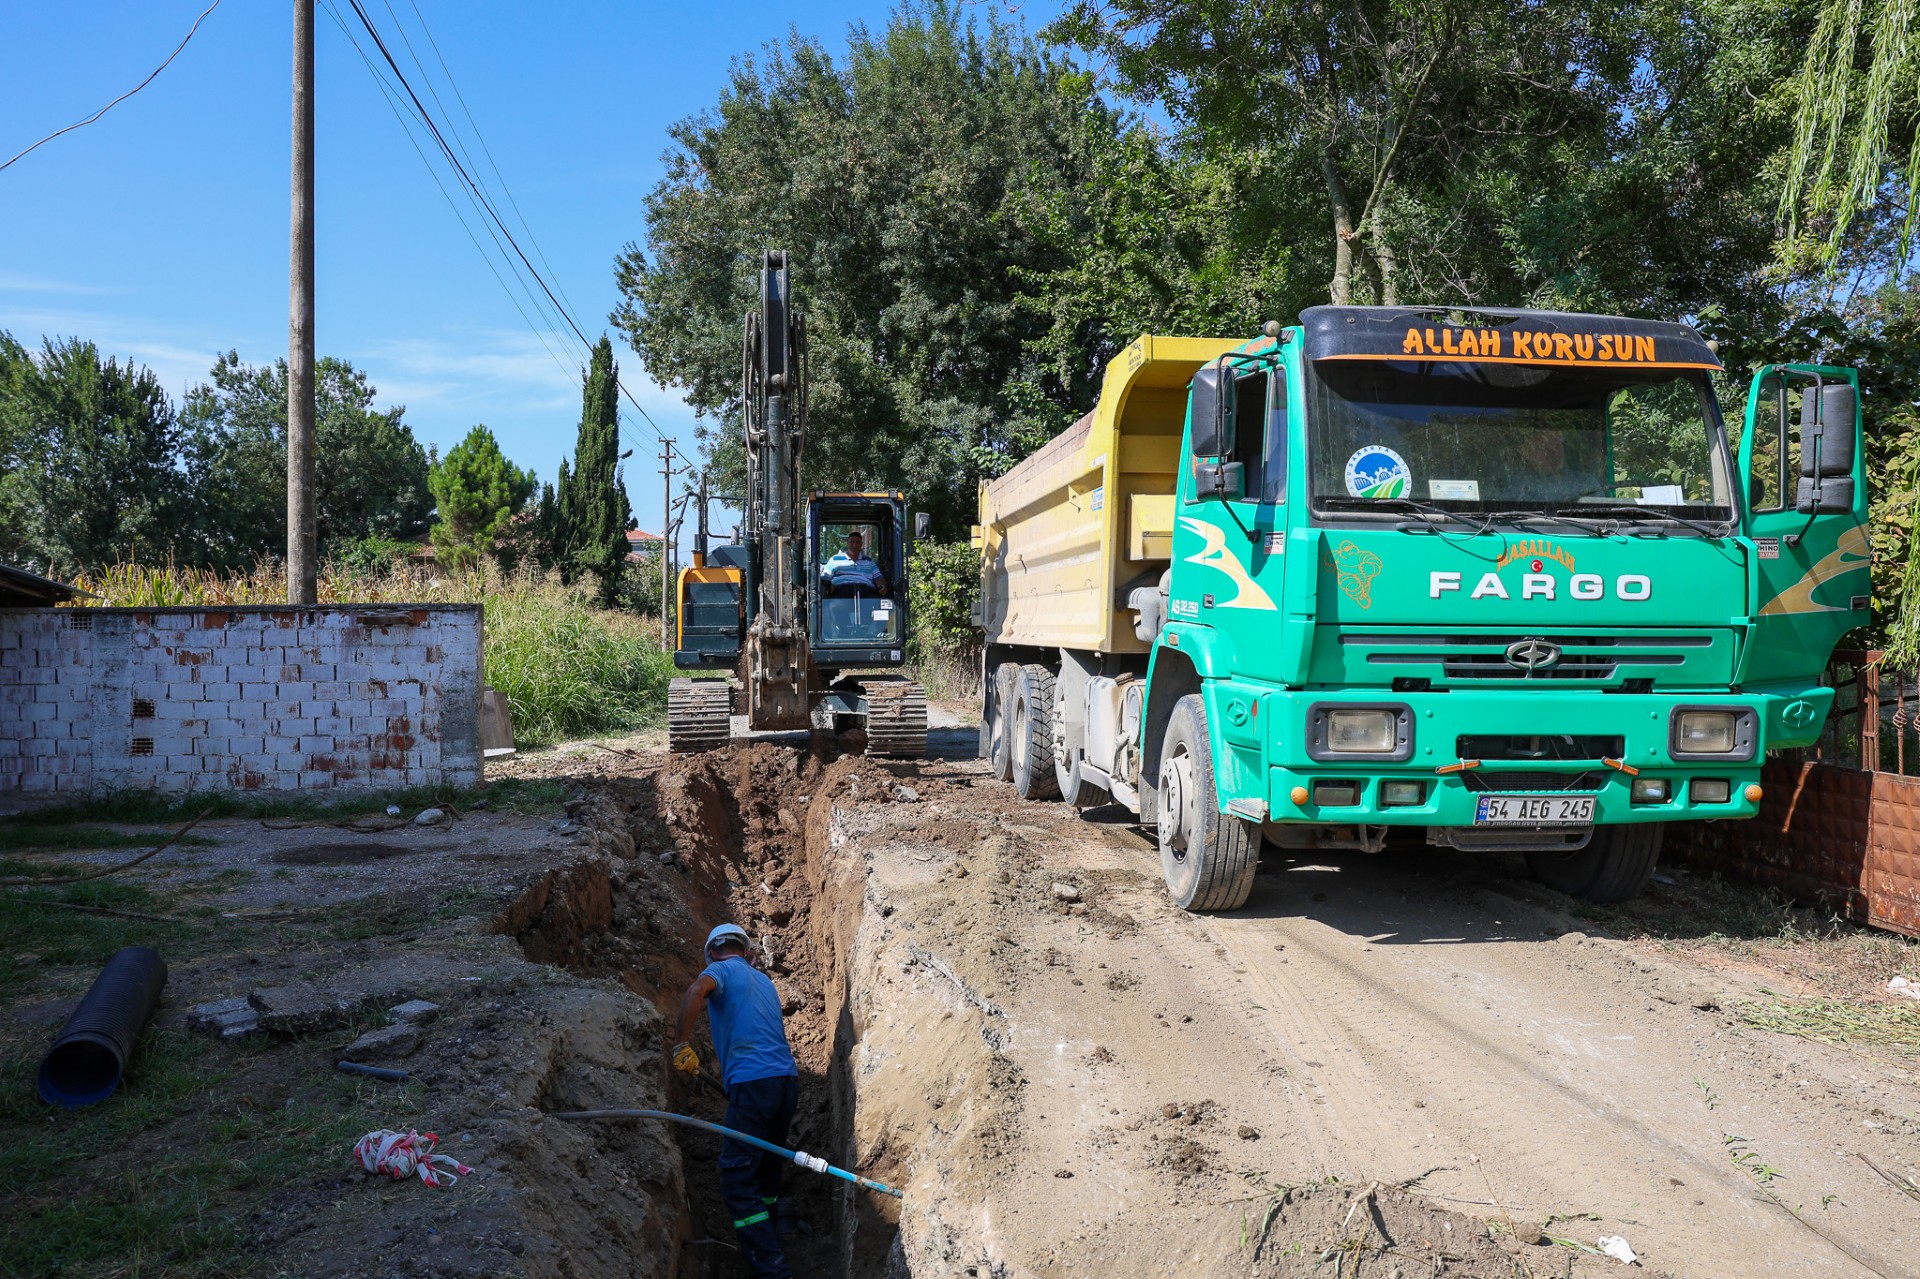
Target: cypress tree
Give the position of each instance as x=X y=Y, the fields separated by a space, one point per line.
x=593 y=501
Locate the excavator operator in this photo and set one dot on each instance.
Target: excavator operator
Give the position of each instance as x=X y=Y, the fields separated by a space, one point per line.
x=852 y=574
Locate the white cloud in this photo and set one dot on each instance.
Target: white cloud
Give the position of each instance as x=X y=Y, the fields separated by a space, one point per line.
x=177 y=358
x=10 y=283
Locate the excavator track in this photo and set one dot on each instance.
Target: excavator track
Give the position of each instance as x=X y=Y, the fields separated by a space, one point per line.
x=896 y=719
x=697 y=711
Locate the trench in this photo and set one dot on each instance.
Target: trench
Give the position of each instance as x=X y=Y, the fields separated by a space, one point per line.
x=736 y=835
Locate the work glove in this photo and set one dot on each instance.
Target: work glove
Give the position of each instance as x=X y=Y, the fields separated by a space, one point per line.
x=685 y=1059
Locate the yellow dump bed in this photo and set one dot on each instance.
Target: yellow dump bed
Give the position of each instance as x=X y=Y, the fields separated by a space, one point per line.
x=1091 y=513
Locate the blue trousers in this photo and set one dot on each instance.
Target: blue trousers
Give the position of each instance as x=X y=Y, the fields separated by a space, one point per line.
x=750 y=1177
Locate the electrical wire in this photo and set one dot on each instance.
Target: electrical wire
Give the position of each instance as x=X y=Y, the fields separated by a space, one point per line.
x=491 y=213
x=485 y=150
x=123 y=97
x=393 y=105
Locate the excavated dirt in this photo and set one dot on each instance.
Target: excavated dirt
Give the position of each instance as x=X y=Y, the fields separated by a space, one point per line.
x=671 y=851
x=1409 y=1064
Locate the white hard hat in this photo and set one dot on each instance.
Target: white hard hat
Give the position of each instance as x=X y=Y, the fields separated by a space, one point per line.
x=728 y=932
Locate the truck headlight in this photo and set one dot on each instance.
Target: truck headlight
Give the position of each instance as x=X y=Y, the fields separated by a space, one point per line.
x=1337 y=732
x=1705 y=732
x=1711 y=732
x=1359 y=732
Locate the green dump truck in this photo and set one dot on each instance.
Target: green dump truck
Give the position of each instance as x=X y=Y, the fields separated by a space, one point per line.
x=1495 y=574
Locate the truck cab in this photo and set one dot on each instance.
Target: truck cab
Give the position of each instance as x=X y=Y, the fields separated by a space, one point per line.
x=1496 y=575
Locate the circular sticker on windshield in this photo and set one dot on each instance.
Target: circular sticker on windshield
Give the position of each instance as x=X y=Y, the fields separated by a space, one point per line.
x=1377 y=471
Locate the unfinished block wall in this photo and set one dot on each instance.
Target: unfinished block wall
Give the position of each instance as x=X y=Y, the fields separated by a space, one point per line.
x=256 y=698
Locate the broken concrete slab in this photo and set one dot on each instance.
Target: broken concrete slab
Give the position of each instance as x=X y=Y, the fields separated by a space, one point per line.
x=224 y=1019
x=303 y=1008
x=417 y=1011
x=385 y=1044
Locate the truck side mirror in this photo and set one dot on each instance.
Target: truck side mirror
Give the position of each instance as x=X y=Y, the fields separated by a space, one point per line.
x=1829 y=439
x=922 y=526
x=1226 y=480
x=1212 y=411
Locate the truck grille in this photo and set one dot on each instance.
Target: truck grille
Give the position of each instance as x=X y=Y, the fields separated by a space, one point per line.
x=1484 y=657
x=1484 y=781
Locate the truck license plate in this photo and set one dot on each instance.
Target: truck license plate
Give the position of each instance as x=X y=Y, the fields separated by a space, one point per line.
x=1534 y=810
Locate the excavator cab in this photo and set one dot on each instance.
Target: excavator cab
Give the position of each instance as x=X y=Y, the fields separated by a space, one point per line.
x=857 y=555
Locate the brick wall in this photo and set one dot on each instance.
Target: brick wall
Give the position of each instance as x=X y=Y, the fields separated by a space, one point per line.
x=273 y=698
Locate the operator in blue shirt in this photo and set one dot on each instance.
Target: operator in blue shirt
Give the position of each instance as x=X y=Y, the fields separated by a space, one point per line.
x=762 y=1084
x=852 y=572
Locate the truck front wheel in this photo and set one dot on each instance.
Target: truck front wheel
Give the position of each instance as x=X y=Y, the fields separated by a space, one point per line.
x=1030 y=733
x=1614 y=866
x=1208 y=857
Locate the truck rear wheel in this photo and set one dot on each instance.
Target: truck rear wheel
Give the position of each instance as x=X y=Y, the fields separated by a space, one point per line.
x=1208 y=857
x=1614 y=866
x=995 y=739
x=1030 y=733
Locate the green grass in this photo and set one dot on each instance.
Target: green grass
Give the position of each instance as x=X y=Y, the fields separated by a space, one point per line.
x=1845 y=1023
x=509 y=795
x=29 y=833
x=54 y=938
x=156 y=1180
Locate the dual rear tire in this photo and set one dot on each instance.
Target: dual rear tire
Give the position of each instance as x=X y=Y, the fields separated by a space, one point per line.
x=1207 y=857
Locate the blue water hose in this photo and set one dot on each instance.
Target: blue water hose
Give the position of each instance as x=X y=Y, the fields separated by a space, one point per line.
x=810 y=1162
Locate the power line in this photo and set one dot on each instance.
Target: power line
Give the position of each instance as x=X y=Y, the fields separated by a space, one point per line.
x=123 y=97
x=485 y=150
x=393 y=105
x=491 y=213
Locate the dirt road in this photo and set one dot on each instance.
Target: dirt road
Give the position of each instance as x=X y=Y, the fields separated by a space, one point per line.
x=1077 y=1079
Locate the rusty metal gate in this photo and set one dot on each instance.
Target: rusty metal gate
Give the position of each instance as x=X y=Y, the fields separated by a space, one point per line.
x=1840 y=824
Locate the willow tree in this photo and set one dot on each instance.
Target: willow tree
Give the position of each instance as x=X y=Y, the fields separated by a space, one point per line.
x=1859 y=107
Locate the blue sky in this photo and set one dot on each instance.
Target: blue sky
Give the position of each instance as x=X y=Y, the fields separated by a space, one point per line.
x=161 y=230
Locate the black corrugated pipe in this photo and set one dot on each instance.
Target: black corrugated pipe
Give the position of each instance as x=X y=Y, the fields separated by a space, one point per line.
x=85 y=1064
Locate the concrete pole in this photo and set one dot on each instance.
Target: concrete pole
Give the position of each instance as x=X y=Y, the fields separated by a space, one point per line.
x=302 y=570
x=666 y=576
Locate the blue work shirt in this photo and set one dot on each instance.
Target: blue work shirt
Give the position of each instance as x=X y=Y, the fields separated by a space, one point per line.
x=748 y=1032
x=844 y=570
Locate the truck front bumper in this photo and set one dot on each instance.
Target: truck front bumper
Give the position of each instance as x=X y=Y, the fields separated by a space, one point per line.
x=1274 y=751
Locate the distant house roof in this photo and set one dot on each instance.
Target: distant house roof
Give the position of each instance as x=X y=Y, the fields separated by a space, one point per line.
x=21 y=589
x=640 y=541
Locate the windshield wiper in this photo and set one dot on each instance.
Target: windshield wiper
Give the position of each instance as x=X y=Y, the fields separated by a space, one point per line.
x=1405 y=504
x=1542 y=517
x=1642 y=515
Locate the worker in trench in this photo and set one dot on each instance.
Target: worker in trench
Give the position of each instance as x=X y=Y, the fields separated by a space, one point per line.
x=761 y=1081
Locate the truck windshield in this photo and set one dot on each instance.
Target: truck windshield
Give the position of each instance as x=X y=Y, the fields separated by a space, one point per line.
x=1513 y=437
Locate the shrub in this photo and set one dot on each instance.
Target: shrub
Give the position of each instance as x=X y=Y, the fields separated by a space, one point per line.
x=943 y=590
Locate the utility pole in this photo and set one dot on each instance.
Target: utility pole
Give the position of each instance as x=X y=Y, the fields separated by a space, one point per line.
x=302 y=574
x=666 y=517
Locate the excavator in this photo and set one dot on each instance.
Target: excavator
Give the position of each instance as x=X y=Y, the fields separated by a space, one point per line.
x=807 y=608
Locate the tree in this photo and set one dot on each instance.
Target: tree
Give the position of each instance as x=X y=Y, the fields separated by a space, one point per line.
x=915 y=184
x=89 y=446
x=593 y=499
x=371 y=474
x=478 y=492
x=1858 y=119
x=1607 y=156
